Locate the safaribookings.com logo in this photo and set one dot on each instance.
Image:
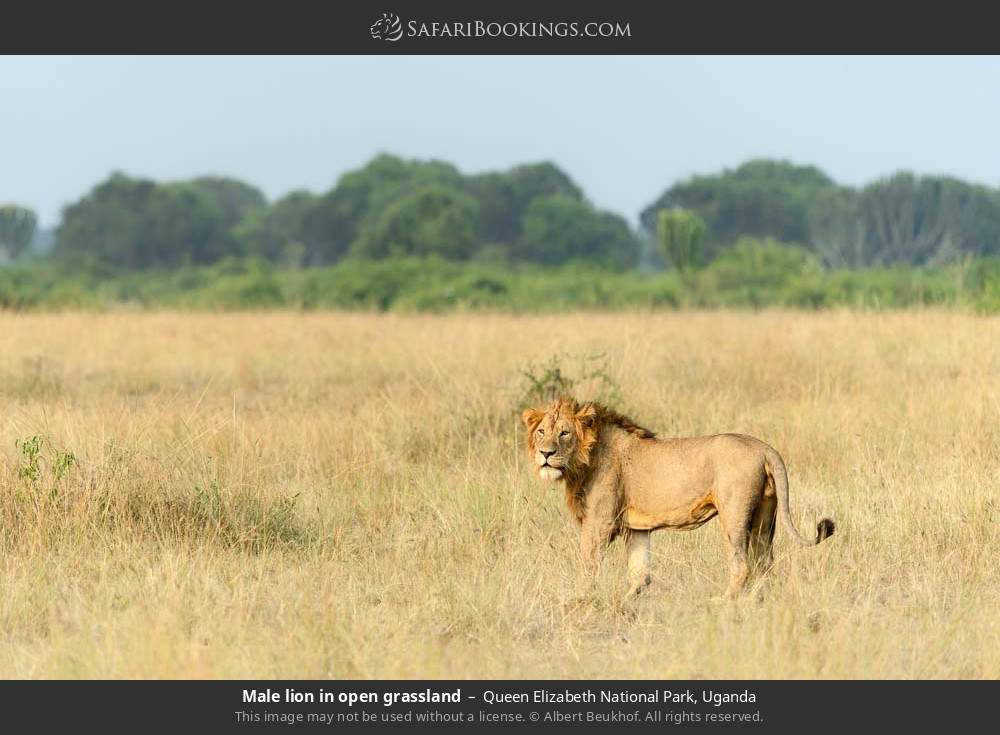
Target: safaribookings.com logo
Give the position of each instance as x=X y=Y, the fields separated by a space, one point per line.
x=387 y=28
x=390 y=28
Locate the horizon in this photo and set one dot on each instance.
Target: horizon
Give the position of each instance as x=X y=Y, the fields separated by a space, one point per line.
x=265 y=120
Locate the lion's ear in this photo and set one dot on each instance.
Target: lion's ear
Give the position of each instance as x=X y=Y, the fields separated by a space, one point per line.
x=587 y=415
x=531 y=417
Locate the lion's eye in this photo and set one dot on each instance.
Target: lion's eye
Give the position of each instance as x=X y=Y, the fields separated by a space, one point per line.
x=563 y=433
x=541 y=432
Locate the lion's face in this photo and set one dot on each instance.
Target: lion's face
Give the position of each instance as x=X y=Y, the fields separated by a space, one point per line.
x=557 y=437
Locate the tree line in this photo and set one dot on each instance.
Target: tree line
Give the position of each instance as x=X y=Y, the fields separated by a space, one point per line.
x=534 y=213
x=903 y=219
x=388 y=208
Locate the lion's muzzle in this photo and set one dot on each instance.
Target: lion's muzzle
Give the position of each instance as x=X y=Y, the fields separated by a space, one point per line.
x=549 y=466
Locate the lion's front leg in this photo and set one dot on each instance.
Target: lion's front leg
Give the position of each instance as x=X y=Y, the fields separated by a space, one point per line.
x=592 y=545
x=593 y=541
x=596 y=532
x=638 y=549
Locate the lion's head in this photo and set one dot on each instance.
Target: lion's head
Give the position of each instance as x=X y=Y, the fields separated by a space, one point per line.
x=560 y=437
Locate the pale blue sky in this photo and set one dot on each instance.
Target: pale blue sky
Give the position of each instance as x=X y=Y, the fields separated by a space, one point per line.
x=624 y=127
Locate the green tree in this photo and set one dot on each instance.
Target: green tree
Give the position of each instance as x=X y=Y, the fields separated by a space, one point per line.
x=760 y=198
x=345 y=218
x=505 y=196
x=927 y=220
x=432 y=220
x=105 y=225
x=681 y=235
x=182 y=225
x=560 y=228
x=17 y=228
x=234 y=199
x=836 y=230
x=132 y=224
x=276 y=232
x=360 y=197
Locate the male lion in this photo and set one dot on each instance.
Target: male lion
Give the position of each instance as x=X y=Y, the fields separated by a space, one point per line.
x=619 y=477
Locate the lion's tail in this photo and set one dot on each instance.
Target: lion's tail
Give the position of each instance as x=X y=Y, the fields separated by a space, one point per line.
x=775 y=468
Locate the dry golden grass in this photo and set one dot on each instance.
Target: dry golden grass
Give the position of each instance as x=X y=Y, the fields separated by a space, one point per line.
x=326 y=495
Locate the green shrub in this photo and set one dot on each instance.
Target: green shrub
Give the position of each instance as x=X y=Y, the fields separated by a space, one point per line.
x=755 y=273
x=751 y=274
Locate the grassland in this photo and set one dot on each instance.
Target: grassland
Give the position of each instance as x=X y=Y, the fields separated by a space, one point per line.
x=345 y=495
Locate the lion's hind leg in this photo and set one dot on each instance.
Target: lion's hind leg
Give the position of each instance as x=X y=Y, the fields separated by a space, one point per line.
x=735 y=519
x=739 y=569
x=762 y=534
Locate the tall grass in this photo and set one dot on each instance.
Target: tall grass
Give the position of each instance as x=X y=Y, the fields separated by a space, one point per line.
x=346 y=495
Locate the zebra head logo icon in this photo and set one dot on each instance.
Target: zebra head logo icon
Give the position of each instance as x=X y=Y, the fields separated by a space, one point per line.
x=387 y=28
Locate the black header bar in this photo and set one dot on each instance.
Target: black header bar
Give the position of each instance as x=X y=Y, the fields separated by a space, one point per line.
x=512 y=27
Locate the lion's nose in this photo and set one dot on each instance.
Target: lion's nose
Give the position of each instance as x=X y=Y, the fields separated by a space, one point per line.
x=547 y=454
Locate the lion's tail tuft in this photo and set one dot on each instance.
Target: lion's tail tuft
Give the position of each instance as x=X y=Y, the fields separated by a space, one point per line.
x=775 y=468
x=825 y=529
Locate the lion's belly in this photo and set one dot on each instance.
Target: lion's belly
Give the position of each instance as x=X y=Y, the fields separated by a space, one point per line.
x=688 y=515
x=670 y=484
